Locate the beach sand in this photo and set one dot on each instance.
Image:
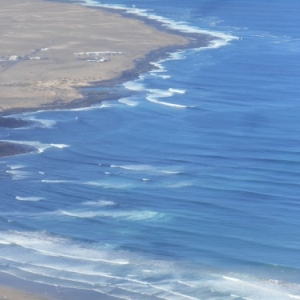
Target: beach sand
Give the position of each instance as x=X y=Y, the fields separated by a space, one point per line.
x=14 y=294
x=49 y=49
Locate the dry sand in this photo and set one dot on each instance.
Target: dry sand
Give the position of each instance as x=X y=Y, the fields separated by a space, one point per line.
x=44 y=50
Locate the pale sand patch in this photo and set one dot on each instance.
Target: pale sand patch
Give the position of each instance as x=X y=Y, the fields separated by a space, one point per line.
x=44 y=45
x=13 y=294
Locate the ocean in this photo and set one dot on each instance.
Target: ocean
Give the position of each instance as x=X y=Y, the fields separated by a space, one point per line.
x=188 y=189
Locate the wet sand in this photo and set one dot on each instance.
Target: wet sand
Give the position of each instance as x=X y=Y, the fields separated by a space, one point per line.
x=13 y=294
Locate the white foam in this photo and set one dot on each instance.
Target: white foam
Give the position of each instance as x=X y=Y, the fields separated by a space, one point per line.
x=108 y=185
x=128 y=101
x=133 y=215
x=18 y=175
x=101 y=105
x=159 y=68
x=251 y=288
x=178 y=185
x=171 y=172
x=158 y=93
x=60 y=146
x=153 y=100
x=126 y=275
x=4 y=242
x=134 y=86
x=38 y=145
x=45 y=123
x=146 y=168
x=178 y=91
x=15 y=167
x=99 y=203
x=185 y=283
x=57 y=247
x=106 y=104
x=179 y=55
x=56 y=181
x=231 y=279
x=134 y=167
x=33 y=199
x=164 y=76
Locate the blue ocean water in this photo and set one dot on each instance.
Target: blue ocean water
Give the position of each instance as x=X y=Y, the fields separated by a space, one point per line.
x=189 y=189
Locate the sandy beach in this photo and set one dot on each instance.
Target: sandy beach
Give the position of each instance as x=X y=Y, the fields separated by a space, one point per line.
x=14 y=294
x=48 y=50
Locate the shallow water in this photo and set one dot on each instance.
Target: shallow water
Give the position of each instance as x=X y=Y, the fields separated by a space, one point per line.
x=188 y=189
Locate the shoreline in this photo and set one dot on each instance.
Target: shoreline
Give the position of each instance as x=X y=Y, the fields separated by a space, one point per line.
x=88 y=95
x=16 y=294
x=141 y=65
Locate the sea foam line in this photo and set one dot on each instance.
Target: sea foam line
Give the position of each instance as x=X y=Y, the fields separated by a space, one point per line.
x=32 y=199
x=38 y=145
x=221 y=38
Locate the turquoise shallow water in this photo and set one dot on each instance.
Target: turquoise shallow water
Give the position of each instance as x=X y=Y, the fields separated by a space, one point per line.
x=187 y=190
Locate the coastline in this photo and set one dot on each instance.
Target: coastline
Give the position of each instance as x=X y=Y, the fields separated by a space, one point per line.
x=141 y=65
x=90 y=92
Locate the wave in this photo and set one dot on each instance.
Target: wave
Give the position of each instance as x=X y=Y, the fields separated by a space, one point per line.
x=4 y=243
x=158 y=93
x=106 y=104
x=164 y=76
x=101 y=105
x=159 y=68
x=15 y=167
x=60 y=146
x=99 y=203
x=54 y=246
x=38 y=145
x=33 y=199
x=56 y=181
x=153 y=100
x=178 y=91
x=134 y=85
x=128 y=102
x=45 y=123
x=179 y=55
x=178 y=185
x=221 y=37
x=63 y=262
x=252 y=288
x=18 y=175
x=133 y=215
x=134 y=167
x=146 y=168
x=108 y=185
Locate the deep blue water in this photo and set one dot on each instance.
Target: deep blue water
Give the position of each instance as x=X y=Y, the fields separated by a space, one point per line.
x=187 y=190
